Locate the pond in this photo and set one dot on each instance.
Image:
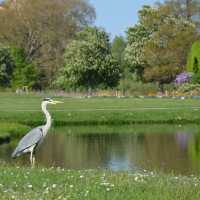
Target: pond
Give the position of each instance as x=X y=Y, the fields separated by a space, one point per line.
x=134 y=148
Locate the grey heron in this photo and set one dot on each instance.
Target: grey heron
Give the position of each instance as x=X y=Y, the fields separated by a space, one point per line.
x=35 y=137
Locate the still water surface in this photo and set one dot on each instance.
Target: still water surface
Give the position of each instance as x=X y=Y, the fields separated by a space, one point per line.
x=175 y=150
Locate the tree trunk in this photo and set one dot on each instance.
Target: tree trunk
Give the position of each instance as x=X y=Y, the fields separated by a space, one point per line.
x=189 y=9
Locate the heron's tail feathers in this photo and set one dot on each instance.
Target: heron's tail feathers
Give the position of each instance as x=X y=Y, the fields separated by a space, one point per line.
x=15 y=154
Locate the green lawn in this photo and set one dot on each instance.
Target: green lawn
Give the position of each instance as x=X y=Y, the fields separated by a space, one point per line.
x=94 y=111
x=24 y=183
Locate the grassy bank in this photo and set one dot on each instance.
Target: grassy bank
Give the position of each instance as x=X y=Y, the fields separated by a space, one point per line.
x=11 y=130
x=100 y=111
x=24 y=183
x=126 y=129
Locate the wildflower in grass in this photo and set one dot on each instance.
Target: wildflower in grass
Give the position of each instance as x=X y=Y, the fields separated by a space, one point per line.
x=54 y=186
x=29 y=186
x=71 y=186
x=136 y=178
x=46 y=191
x=81 y=176
x=86 y=193
x=107 y=189
x=112 y=185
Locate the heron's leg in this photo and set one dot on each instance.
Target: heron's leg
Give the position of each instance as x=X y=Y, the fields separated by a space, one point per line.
x=31 y=158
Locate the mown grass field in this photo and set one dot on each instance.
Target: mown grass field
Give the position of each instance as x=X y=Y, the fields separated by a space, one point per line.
x=56 y=183
x=99 y=111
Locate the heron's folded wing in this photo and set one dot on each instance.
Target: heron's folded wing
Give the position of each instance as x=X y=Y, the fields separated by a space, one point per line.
x=30 y=139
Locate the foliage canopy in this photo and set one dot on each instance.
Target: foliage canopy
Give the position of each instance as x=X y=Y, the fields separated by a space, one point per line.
x=88 y=61
x=158 y=45
x=43 y=29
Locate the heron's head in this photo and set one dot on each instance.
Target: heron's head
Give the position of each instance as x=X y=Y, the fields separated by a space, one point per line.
x=50 y=101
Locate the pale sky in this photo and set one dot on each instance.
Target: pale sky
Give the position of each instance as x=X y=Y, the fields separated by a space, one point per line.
x=116 y=15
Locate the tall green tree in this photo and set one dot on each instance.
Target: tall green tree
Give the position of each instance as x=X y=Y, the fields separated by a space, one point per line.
x=88 y=62
x=117 y=49
x=138 y=36
x=7 y=65
x=25 y=73
x=167 y=50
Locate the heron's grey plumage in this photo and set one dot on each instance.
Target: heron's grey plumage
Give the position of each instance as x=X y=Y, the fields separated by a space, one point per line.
x=33 y=137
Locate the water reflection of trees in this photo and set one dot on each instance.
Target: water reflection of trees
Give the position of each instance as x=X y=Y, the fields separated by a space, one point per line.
x=90 y=151
x=194 y=151
x=179 y=152
x=120 y=152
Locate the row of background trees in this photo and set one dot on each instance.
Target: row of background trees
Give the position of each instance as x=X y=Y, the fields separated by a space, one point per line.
x=53 y=44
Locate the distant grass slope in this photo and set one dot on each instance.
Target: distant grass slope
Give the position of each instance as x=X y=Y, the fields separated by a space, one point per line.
x=194 y=53
x=99 y=111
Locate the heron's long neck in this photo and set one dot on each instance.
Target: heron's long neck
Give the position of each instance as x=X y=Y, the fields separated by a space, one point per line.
x=48 y=117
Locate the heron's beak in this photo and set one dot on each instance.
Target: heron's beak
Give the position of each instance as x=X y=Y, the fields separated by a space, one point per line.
x=56 y=102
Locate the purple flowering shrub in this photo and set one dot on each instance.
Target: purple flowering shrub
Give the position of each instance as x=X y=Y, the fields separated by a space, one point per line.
x=183 y=77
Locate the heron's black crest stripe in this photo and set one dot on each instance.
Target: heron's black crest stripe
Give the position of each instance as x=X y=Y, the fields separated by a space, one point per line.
x=46 y=99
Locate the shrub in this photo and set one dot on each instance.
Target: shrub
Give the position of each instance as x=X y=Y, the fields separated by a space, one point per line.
x=133 y=88
x=188 y=89
x=183 y=77
x=196 y=78
x=193 y=63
